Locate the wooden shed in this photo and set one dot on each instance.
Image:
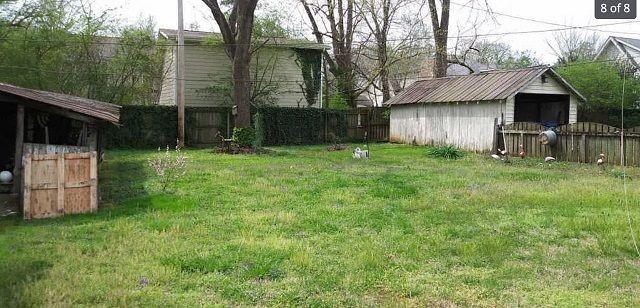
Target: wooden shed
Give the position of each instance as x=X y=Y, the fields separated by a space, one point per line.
x=51 y=143
x=463 y=110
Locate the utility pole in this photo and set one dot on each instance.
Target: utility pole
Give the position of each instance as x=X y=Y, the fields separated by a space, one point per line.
x=180 y=76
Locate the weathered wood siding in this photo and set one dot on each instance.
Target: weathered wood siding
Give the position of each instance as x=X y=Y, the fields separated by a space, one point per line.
x=59 y=184
x=469 y=126
x=580 y=142
x=209 y=65
x=551 y=86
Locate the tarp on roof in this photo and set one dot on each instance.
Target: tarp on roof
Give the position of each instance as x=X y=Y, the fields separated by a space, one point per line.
x=84 y=106
x=485 y=86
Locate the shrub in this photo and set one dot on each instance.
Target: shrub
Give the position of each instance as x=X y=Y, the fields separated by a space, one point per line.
x=245 y=137
x=168 y=167
x=447 y=151
x=337 y=101
x=296 y=126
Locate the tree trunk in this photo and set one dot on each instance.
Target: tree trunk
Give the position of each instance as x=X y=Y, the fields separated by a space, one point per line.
x=236 y=29
x=242 y=63
x=384 y=69
x=441 y=62
x=242 y=89
x=440 y=33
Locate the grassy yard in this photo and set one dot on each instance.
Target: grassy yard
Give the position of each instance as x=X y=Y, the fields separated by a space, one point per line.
x=309 y=227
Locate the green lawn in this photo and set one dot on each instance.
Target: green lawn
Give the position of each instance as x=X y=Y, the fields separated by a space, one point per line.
x=313 y=228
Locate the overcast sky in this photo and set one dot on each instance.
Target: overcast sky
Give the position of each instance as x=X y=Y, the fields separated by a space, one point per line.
x=565 y=12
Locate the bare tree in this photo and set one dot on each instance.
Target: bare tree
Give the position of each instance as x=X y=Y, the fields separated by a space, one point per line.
x=236 y=28
x=380 y=18
x=339 y=19
x=574 y=45
x=440 y=24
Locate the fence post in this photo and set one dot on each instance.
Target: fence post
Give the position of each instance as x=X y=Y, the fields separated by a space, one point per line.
x=494 y=147
x=61 y=183
x=583 y=149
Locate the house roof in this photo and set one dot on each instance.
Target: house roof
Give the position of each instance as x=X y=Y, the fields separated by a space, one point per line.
x=272 y=41
x=91 y=108
x=485 y=86
x=621 y=43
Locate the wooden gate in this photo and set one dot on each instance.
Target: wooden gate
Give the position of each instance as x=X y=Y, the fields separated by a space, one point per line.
x=59 y=184
x=372 y=120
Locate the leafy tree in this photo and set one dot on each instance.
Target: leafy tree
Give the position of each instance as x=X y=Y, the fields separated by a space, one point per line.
x=62 y=46
x=601 y=83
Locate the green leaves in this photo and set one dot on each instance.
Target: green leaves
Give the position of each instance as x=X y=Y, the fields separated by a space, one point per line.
x=601 y=83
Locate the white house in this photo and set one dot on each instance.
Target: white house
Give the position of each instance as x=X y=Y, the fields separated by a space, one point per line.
x=275 y=69
x=621 y=49
x=462 y=110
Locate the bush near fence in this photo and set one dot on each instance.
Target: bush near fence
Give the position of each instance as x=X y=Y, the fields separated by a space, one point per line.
x=299 y=126
x=154 y=126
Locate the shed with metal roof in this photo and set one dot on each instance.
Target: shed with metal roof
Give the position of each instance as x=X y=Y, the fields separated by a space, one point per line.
x=463 y=110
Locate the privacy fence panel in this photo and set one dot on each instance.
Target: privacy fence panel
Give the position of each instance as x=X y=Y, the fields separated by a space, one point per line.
x=373 y=120
x=59 y=184
x=580 y=142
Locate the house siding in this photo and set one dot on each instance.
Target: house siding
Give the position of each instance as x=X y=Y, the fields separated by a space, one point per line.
x=466 y=125
x=168 y=90
x=209 y=65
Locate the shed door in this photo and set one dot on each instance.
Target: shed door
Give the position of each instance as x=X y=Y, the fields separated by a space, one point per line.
x=59 y=184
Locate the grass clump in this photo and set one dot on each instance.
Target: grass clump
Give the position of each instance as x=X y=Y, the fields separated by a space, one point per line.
x=446 y=151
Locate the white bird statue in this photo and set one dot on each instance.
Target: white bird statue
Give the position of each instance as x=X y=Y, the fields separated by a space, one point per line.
x=601 y=160
x=358 y=153
x=549 y=159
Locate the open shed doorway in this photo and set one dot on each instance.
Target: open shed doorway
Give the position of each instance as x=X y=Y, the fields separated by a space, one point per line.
x=550 y=110
x=7 y=136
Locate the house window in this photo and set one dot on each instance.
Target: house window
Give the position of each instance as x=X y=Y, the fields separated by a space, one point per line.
x=544 y=79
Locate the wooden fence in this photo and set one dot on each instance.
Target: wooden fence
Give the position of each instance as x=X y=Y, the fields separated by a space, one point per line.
x=580 y=142
x=373 y=120
x=60 y=183
x=206 y=124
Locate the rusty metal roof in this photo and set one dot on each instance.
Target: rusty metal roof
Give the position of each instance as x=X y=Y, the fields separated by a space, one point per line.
x=84 y=106
x=485 y=86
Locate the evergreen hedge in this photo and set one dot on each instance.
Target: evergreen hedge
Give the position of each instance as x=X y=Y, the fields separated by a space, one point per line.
x=153 y=126
x=299 y=126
